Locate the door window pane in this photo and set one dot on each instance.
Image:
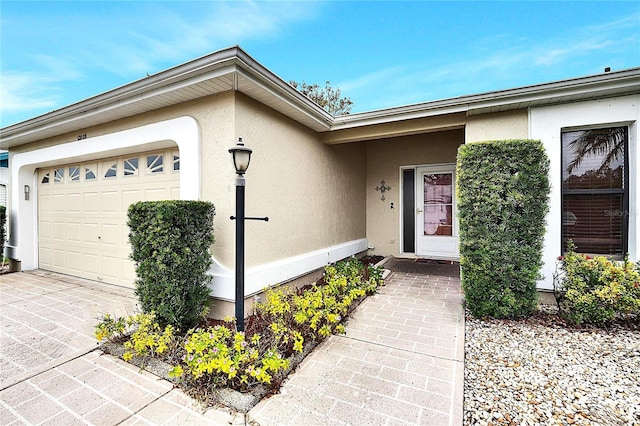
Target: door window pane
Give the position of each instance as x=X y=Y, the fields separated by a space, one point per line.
x=438 y=204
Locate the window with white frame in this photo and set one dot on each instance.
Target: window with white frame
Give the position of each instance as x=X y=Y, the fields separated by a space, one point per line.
x=595 y=190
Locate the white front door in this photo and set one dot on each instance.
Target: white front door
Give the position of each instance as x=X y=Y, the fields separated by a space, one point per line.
x=436 y=221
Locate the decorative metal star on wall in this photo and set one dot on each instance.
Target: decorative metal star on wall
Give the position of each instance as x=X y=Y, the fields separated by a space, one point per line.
x=382 y=188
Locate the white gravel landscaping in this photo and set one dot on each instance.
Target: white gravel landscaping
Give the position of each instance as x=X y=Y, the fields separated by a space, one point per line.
x=540 y=372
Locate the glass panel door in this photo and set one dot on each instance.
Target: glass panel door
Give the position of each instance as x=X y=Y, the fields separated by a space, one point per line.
x=436 y=224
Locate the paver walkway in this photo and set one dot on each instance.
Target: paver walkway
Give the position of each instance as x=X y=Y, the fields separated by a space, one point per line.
x=400 y=362
x=51 y=372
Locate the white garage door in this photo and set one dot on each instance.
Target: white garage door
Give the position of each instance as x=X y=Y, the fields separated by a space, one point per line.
x=82 y=212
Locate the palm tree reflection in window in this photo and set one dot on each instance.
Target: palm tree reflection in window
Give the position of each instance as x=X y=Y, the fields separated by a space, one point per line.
x=594 y=193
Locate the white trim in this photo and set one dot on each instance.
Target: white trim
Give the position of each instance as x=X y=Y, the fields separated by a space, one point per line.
x=259 y=277
x=546 y=124
x=182 y=131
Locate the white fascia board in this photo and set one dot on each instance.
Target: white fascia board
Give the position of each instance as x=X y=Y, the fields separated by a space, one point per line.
x=105 y=106
x=611 y=84
x=308 y=108
x=120 y=95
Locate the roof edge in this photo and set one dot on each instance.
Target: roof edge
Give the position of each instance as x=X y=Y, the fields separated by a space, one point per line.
x=469 y=103
x=232 y=58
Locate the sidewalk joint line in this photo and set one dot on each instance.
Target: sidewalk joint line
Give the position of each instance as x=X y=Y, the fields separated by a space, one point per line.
x=400 y=349
x=49 y=368
x=145 y=406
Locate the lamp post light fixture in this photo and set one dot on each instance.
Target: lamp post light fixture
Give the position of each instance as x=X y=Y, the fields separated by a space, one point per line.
x=241 y=158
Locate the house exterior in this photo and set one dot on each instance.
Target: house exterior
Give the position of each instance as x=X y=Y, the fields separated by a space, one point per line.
x=4 y=177
x=381 y=182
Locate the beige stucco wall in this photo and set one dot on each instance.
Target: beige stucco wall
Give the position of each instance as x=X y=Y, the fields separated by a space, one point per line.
x=313 y=193
x=499 y=125
x=384 y=160
x=213 y=113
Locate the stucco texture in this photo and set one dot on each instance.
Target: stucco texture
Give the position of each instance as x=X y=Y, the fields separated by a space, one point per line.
x=384 y=160
x=498 y=125
x=313 y=194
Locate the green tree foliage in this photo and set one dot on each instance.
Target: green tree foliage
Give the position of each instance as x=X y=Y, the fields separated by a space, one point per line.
x=503 y=189
x=328 y=97
x=170 y=243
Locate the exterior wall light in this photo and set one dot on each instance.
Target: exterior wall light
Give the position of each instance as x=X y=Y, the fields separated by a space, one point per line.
x=241 y=158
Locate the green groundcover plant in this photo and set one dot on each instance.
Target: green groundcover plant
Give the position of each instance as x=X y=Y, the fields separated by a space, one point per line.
x=503 y=189
x=597 y=290
x=285 y=324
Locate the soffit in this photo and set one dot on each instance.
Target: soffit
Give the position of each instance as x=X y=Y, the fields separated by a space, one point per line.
x=223 y=71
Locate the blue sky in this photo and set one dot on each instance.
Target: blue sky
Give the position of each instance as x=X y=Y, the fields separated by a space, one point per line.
x=381 y=54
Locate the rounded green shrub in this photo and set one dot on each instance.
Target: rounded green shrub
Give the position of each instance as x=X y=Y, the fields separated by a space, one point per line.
x=170 y=242
x=596 y=290
x=503 y=189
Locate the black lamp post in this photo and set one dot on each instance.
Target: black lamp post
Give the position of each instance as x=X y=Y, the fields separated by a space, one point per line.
x=241 y=158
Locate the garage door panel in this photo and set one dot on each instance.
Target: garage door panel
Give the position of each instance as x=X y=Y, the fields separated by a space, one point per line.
x=45 y=229
x=111 y=235
x=111 y=268
x=90 y=232
x=90 y=262
x=75 y=264
x=74 y=231
x=44 y=201
x=58 y=230
x=90 y=202
x=46 y=257
x=83 y=215
x=58 y=203
x=59 y=257
x=130 y=196
x=74 y=202
x=128 y=271
x=111 y=201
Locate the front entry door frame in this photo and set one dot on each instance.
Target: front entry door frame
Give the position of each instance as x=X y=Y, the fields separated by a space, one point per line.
x=432 y=240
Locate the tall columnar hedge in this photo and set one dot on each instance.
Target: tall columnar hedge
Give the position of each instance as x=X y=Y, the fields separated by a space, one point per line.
x=3 y=219
x=503 y=189
x=170 y=243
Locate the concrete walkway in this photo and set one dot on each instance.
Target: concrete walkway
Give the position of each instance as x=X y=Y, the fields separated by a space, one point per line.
x=401 y=361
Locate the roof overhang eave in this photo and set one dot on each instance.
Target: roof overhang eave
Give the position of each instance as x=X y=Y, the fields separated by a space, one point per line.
x=229 y=64
x=620 y=83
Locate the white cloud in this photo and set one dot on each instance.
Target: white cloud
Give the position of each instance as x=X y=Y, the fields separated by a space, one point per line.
x=170 y=35
x=38 y=89
x=495 y=66
x=127 y=46
x=23 y=92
